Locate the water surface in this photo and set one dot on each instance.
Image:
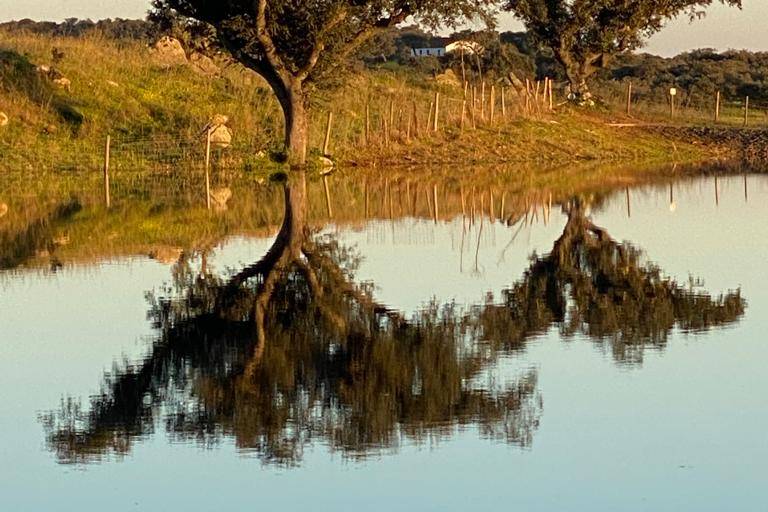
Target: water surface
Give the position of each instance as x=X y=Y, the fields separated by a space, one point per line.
x=427 y=349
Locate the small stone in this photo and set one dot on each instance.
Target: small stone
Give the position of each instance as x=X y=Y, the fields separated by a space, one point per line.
x=4 y=119
x=166 y=255
x=63 y=82
x=3 y=210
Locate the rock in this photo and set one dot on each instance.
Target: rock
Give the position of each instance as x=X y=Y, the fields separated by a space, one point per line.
x=220 y=197
x=448 y=78
x=169 y=52
x=4 y=119
x=221 y=134
x=221 y=137
x=204 y=64
x=3 y=210
x=166 y=255
x=64 y=83
x=113 y=84
x=50 y=129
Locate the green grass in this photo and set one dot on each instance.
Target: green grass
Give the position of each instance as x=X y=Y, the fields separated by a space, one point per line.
x=154 y=115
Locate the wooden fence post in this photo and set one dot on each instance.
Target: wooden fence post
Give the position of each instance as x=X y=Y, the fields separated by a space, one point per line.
x=327 y=141
x=493 y=102
x=437 y=112
x=463 y=114
x=482 y=101
x=551 y=101
x=207 y=168
x=107 y=199
x=503 y=103
x=746 y=111
x=629 y=98
x=717 y=107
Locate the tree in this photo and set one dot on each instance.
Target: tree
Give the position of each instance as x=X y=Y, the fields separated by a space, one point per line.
x=585 y=34
x=293 y=45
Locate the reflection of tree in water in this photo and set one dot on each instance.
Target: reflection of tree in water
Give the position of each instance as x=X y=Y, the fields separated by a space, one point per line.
x=289 y=351
x=591 y=284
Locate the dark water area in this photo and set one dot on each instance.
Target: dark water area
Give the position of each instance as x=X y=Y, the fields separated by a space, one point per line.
x=420 y=349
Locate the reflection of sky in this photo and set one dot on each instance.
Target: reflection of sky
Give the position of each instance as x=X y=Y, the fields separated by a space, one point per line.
x=684 y=432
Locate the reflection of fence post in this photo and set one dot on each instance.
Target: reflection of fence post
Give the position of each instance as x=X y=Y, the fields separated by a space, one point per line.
x=328 y=196
x=434 y=195
x=368 y=122
x=107 y=200
x=327 y=141
x=717 y=107
x=208 y=168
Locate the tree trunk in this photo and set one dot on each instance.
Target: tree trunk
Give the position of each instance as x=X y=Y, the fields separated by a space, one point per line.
x=296 y=113
x=577 y=69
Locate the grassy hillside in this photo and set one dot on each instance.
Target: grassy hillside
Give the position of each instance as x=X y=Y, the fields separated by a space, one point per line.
x=154 y=114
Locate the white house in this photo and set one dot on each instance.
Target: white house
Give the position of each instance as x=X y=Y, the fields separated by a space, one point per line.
x=428 y=52
x=467 y=47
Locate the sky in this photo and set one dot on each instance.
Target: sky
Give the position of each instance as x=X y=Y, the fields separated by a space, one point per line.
x=724 y=28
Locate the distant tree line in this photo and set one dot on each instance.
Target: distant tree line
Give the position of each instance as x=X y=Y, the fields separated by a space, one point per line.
x=698 y=74
x=117 y=28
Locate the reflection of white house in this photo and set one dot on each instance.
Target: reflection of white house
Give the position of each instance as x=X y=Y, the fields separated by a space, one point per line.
x=463 y=46
x=428 y=52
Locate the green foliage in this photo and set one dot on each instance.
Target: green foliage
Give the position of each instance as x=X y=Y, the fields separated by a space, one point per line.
x=585 y=34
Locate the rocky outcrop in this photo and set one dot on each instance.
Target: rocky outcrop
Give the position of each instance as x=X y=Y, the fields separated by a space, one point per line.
x=169 y=52
x=203 y=64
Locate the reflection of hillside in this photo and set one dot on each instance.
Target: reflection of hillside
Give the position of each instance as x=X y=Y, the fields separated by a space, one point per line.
x=290 y=351
x=169 y=212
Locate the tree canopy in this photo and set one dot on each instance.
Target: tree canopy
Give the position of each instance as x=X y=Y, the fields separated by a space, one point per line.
x=585 y=34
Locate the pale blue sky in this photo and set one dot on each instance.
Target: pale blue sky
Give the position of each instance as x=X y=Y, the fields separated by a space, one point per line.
x=724 y=28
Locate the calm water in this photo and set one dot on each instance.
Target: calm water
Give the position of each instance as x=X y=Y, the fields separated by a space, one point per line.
x=601 y=353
